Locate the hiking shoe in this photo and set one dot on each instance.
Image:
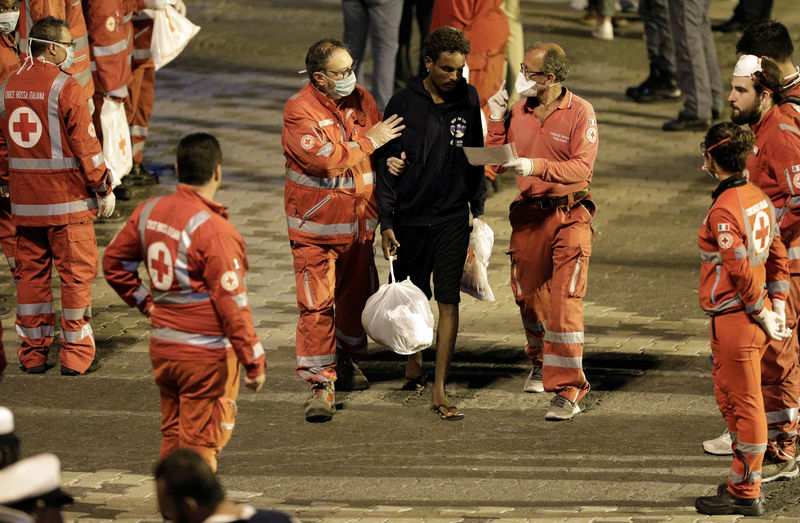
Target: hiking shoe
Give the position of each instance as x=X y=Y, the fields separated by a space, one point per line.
x=322 y=406
x=720 y=446
x=140 y=175
x=534 y=383
x=36 y=369
x=727 y=503
x=348 y=374
x=776 y=470
x=561 y=409
x=664 y=88
x=93 y=366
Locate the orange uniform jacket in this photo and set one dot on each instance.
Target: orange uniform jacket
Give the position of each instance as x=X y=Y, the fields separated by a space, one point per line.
x=741 y=251
x=31 y=11
x=54 y=159
x=9 y=56
x=111 y=42
x=197 y=297
x=563 y=147
x=483 y=21
x=330 y=185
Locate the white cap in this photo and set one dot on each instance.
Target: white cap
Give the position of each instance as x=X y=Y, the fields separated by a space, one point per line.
x=6 y=421
x=747 y=65
x=30 y=478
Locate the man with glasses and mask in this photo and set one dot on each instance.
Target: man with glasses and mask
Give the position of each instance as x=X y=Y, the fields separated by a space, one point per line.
x=555 y=133
x=58 y=182
x=330 y=129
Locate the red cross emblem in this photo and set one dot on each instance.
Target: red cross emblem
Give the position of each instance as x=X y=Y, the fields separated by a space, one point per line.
x=229 y=281
x=159 y=266
x=761 y=231
x=25 y=127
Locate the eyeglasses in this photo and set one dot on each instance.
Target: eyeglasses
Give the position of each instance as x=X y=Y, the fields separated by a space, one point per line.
x=529 y=74
x=340 y=75
x=704 y=149
x=71 y=44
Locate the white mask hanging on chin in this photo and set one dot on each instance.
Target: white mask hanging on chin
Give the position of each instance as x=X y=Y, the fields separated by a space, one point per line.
x=524 y=86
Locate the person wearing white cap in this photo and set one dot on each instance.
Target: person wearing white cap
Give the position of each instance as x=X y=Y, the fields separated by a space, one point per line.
x=9 y=443
x=33 y=486
x=774 y=167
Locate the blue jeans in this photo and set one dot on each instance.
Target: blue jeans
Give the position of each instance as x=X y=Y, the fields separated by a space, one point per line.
x=381 y=20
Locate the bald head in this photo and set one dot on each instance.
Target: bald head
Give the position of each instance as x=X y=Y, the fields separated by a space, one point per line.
x=549 y=58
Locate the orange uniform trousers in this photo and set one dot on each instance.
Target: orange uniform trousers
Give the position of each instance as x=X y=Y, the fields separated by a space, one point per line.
x=738 y=344
x=487 y=71
x=139 y=107
x=73 y=249
x=8 y=238
x=550 y=251
x=333 y=284
x=198 y=405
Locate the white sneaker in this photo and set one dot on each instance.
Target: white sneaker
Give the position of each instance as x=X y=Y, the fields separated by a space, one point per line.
x=579 y=5
x=534 y=383
x=604 y=31
x=561 y=409
x=720 y=446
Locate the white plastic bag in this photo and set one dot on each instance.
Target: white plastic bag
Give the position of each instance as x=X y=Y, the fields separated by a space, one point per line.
x=399 y=316
x=171 y=32
x=474 y=279
x=116 y=139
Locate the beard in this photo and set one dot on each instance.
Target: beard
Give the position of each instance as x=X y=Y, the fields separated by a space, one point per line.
x=747 y=116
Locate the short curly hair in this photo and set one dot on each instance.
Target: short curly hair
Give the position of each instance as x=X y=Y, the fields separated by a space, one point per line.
x=769 y=78
x=445 y=40
x=732 y=155
x=319 y=53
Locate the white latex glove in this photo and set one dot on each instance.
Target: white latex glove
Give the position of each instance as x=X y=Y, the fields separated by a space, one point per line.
x=770 y=322
x=180 y=7
x=520 y=166
x=106 y=204
x=779 y=308
x=256 y=383
x=386 y=131
x=155 y=4
x=498 y=103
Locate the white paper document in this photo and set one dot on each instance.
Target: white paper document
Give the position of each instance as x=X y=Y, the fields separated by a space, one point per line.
x=497 y=155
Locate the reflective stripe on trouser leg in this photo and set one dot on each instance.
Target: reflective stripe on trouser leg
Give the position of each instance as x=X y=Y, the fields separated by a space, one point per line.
x=356 y=280
x=315 y=278
x=142 y=111
x=35 y=323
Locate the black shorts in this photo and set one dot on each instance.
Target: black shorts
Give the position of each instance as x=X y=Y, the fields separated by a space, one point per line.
x=440 y=250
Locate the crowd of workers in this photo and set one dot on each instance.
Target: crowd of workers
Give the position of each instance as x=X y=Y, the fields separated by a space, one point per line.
x=355 y=162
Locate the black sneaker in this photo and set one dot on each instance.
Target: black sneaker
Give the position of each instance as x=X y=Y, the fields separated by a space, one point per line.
x=649 y=82
x=93 y=366
x=140 y=175
x=686 y=123
x=36 y=369
x=727 y=503
x=122 y=193
x=664 y=88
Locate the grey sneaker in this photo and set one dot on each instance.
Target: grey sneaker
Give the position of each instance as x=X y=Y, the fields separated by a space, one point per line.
x=534 y=383
x=348 y=374
x=322 y=405
x=775 y=470
x=561 y=409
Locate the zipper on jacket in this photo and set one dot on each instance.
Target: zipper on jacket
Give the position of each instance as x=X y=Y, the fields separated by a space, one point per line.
x=575 y=275
x=716 y=282
x=313 y=210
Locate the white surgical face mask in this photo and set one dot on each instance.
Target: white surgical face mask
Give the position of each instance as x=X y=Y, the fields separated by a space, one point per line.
x=345 y=86
x=524 y=86
x=8 y=21
x=70 y=58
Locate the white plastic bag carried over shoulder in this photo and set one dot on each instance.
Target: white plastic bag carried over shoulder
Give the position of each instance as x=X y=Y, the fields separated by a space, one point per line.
x=116 y=139
x=474 y=279
x=399 y=316
x=171 y=32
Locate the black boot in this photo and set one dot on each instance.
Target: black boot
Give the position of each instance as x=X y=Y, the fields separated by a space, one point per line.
x=635 y=90
x=663 y=88
x=726 y=503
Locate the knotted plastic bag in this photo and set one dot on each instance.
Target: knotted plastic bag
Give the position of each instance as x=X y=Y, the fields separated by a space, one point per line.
x=474 y=279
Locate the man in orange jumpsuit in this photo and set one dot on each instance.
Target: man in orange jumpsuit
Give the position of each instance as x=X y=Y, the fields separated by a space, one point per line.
x=72 y=12
x=742 y=256
x=330 y=129
x=58 y=181
x=774 y=167
x=197 y=301
x=555 y=133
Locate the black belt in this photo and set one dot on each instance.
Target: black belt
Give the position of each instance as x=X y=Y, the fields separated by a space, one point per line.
x=544 y=202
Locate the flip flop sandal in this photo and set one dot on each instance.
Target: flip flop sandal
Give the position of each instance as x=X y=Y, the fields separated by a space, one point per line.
x=415 y=384
x=437 y=409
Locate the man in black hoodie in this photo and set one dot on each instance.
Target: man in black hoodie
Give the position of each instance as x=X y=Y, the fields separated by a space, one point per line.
x=427 y=189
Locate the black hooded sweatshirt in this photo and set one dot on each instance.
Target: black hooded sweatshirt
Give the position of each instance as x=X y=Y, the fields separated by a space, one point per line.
x=438 y=184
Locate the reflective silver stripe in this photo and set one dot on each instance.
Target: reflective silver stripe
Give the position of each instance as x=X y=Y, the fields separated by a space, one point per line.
x=76 y=314
x=574 y=282
x=794 y=200
x=76 y=336
x=11 y=263
x=308 y=290
x=710 y=257
x=83 y=77
x=779 y=213
x=190 y=338
x=53 y=118
x=42 y=164
x=533 y=327
x=258 y=350
x=122 y=92
x=372 y=224
x=137 y=147
x=42 y=331
x=369 y=178
x=350 y=339
x=740 y=252
x=790 y=128
x=29 y=309
x=337 y=182
x=775 y=287
x=321 y=229
x=563 y=337
x=727 y=304
x=517 y=288
x=241 y=299
x=734 y=477
x=533 y=342
x=3 y=99
x=130 y=265
x=316 y=361
x=141 y=293
x=753 y=449
x=81 y=43
x=773 y=434
x=789 y=180
x=53 y=209
x=138 y=130
x=98 y=158
x=793 y=253
x=181 y=264
x=718 y=270
x=756 y=306
x=143 y=217
x=179 y=297
x=778 y=416
x=108 y=50
x=352 y=145
x=142 y=54
x=551 y=360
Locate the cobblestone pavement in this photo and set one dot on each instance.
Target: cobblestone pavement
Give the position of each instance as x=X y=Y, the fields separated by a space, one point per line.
x=633 y=455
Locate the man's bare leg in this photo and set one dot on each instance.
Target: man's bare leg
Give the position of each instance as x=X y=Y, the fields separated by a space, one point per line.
x=446 y=333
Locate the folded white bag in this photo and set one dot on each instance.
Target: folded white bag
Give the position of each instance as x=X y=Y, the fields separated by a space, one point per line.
x=399 y=316
x=116 y=139
x=171 y=32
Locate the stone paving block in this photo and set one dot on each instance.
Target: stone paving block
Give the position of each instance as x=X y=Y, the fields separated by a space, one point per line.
x=97 y=479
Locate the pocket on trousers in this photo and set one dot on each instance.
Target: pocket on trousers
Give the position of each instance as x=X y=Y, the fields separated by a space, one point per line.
x=223 y=421
x=579 y=274
x=82 y=252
